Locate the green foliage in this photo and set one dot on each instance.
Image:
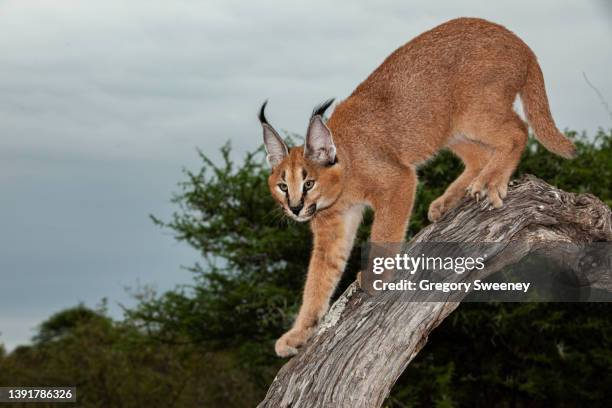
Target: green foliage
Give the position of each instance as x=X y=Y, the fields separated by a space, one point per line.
x=116 y=364
x=210 y=343
x=514 y=354
x=62 y=323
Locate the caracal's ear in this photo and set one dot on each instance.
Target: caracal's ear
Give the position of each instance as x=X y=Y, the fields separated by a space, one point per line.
x=319 y=146
x=275 y=146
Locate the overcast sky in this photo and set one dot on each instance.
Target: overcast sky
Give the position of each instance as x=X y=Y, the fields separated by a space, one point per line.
x=103 y=102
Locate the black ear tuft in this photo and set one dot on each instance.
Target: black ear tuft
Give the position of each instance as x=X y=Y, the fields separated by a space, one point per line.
x=262 y=116
x=320 y=109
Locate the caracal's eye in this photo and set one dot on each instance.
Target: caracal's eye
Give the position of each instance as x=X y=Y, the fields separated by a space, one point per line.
x=309 y=184
x=283 y=187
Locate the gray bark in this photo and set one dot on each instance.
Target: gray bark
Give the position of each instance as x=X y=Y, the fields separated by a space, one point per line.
x=362 y=347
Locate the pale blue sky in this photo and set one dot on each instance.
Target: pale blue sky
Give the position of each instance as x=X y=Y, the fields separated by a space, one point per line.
x=103 y=102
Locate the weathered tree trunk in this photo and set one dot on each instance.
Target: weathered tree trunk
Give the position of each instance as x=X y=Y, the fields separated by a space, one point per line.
x=362 y=347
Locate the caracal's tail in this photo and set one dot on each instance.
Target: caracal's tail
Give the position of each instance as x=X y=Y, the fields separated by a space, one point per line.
x=538 y=114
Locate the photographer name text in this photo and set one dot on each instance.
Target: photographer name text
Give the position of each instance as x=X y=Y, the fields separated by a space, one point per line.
x=446 y=287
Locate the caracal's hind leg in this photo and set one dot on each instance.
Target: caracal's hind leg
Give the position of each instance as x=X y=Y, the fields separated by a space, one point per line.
x=474 y=156
x=507 y=138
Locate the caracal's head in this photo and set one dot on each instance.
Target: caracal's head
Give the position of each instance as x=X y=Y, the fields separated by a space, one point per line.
x=305 y=179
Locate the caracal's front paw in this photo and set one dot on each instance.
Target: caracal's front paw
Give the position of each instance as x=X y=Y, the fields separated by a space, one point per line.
x=289 y=343
x=495 y=190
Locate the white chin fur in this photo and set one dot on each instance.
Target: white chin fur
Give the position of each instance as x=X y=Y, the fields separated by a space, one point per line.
x=301 y=218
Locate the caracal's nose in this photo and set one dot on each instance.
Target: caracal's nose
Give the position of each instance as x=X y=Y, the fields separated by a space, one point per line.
x=296 y=210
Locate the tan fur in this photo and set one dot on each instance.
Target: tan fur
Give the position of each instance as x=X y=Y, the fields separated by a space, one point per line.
x=451 y=87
